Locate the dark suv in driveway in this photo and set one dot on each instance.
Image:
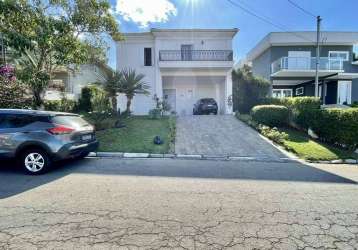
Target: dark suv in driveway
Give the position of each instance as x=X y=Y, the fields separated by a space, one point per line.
x=38 y=138
x=205 y=106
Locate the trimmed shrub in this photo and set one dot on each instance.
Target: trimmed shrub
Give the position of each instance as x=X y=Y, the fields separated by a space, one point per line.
x=273 y=134
x=155 y=113
x=270 y=115
x=63 y=105
x=301 y=109
x=337 y=126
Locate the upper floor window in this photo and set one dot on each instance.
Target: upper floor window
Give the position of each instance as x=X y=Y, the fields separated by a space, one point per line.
x=344 y=55
x=147 y=56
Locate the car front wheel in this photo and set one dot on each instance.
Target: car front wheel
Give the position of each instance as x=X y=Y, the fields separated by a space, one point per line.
x=35 y=161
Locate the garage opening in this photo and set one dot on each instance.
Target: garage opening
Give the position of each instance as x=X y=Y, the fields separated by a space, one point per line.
x=182 y=92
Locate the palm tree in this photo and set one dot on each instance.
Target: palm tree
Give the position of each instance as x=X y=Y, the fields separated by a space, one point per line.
x=131 y=84
x=111 y=87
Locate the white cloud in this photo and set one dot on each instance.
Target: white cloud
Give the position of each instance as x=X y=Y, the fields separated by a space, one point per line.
x=144 y=12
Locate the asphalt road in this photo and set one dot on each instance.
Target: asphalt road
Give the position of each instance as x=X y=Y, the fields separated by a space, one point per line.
x=179 y=204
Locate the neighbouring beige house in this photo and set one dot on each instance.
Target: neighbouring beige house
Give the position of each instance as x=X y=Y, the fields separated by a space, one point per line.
x=69 y=81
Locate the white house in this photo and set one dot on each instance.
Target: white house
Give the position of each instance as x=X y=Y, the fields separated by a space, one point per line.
x=71 y=80
x=181 y=66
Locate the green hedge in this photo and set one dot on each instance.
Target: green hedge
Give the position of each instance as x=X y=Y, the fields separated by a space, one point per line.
x=270 y=115
x=248 y=90
x=302 y=109
x=337 y=126
x=63 y=105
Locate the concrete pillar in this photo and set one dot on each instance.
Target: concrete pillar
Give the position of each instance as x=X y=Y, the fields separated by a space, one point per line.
x=228 y=93
x=158 y=76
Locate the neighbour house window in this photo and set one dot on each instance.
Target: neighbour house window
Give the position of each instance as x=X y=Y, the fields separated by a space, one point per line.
x=147 y=56
x=281 y=93
x=355 y=53
x=299 y=91
x=344 y=55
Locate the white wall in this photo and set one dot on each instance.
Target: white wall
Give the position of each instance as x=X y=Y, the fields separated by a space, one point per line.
x=86 y=75
x=130 y=54
x=75 y=81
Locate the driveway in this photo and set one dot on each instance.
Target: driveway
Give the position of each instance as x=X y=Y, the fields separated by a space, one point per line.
x=221 y=135
x=179 y=204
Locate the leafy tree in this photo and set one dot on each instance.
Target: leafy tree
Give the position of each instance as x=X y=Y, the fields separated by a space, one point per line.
x=130 y=84
x=47 y=34
x=248 y=90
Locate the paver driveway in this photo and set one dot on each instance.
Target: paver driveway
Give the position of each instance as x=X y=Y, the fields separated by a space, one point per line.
x=221 y=136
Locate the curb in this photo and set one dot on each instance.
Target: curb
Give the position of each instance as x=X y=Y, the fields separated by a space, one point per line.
x=289 y=158
x=123 y=155
x=341 y=161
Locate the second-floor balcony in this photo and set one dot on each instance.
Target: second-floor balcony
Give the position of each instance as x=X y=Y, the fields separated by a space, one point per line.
x=304 y=66
x=196 y=55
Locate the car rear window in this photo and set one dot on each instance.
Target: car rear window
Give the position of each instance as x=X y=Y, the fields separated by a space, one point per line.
x=69 y=120
x=18 y=120
x=208 y=100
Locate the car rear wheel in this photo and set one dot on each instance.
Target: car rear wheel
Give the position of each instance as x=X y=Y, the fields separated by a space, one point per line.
x=35 y=161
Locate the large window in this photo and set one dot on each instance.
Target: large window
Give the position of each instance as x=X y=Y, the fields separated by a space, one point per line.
x=281 y=93
x=344 y=55
x=147 y=56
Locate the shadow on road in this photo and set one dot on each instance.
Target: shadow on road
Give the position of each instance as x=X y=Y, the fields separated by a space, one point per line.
x=13 y=181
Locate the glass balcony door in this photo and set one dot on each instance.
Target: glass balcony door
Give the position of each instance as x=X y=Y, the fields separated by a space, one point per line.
x=299 y=60
x=187 y=52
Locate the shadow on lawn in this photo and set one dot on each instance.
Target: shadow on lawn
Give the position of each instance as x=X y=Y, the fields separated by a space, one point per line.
x=13 y=181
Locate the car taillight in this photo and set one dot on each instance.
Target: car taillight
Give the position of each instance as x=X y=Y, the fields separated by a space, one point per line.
x=60 y=130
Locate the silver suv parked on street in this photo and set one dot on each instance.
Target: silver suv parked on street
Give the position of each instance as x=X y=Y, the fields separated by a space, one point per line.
x=38 y=138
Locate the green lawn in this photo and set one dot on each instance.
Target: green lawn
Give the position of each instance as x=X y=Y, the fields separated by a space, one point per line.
x=136 y=137
x=306 y=148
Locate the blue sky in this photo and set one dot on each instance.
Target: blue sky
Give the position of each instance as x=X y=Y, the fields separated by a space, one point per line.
x=141 y=15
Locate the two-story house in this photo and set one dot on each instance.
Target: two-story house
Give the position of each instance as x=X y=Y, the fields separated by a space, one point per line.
x=288 y=60
x=180 y=66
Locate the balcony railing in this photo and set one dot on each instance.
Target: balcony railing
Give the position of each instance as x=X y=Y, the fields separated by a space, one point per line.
x=306 y=63
x=195 y=55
